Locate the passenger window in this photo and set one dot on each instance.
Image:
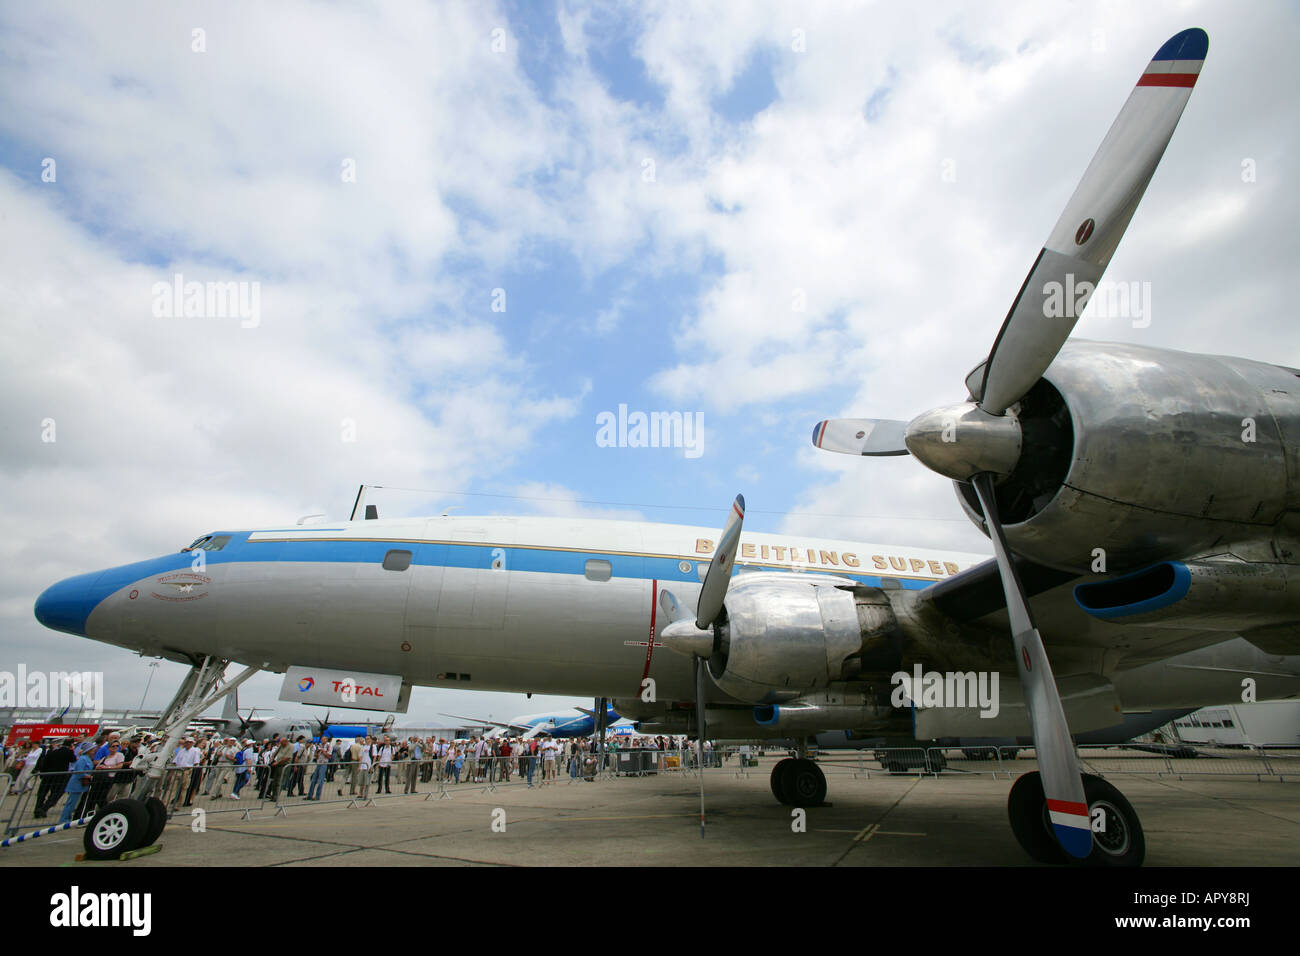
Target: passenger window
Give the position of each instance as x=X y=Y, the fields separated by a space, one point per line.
x=599 y=569
x=397 y=560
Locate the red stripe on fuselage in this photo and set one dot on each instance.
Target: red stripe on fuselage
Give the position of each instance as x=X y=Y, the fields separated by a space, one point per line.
x=1167 y=79
x=650 y=649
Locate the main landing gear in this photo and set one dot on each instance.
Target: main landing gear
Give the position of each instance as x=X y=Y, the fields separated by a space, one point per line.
x=799 y=782
x=1117 y=838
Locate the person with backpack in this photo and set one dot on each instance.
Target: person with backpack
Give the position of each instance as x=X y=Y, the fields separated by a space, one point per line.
x=245 y=760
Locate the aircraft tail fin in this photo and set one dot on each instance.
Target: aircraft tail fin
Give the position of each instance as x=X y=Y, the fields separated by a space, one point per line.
x=230 y=711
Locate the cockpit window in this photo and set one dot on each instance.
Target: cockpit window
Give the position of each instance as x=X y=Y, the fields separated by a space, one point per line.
x=210 y=542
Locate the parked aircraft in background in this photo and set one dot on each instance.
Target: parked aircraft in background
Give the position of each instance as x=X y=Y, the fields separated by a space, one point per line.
x=578 y=722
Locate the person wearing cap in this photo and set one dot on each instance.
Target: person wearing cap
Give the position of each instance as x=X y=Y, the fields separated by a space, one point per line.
x=245 y=760
x=225 y=766
x=79 y=780
x=186 y=765
x=323 y=751
x=280 y=760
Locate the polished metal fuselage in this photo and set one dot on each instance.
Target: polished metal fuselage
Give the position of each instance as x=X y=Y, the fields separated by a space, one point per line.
x=538 y=605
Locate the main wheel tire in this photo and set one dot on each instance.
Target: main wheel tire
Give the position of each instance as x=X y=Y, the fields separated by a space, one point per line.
x=116 y=828
x=1027 y=811
x=779 y=772
x=157 y=820
x=805 y=784
x=1121 y=843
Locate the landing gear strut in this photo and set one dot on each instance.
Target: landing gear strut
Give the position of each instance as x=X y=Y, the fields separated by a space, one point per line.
x=1117 y=838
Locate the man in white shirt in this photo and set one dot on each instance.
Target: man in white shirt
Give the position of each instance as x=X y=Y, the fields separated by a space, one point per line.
x=385 y=766
x=549 y=749
x=363 y=773
x=185 y=762
x=225 y=766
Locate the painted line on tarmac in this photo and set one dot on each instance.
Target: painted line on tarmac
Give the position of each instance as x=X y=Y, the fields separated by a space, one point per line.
x=870 y=830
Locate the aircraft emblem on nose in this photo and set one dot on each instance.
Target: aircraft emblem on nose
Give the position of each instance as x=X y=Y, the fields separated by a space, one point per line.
x=184 y=585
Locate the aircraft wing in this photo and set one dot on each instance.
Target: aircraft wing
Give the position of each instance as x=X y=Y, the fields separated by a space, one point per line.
x=504 y=725
x=975 y=597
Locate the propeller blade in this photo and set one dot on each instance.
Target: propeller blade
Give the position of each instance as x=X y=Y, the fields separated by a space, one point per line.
x=873 y=437
x=1081 y=245
x=1066 y=804
x=719 y=575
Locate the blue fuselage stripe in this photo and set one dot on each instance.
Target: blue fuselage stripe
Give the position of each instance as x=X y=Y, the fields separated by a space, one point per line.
x=452 y=555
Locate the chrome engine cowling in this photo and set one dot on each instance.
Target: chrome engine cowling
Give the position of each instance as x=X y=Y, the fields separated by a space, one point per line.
x=786 y=635
x=1148 y=454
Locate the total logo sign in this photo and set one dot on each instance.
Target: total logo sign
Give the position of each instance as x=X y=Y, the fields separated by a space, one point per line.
x=349 y=688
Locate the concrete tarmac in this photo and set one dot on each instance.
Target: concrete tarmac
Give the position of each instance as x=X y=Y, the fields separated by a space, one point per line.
x=956 y=819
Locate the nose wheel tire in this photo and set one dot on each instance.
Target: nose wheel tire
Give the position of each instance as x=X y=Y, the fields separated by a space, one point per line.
x=1117 y=838
x=118 y=827
x=157 y=820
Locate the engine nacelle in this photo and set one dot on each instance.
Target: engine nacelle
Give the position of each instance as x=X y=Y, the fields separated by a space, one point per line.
x=824 y=712
x=1149 y=454
x=785 y=636
x=1208 y=595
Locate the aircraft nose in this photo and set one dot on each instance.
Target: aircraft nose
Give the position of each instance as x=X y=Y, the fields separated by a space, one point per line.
x=66 y=605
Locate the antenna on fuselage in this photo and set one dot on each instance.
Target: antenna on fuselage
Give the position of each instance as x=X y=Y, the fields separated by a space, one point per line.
x=361 y=509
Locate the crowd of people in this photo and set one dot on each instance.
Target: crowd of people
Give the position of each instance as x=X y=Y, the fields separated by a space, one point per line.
x=92 y=771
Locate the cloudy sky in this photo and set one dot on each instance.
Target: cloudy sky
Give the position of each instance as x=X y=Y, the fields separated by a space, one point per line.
x=475 y=227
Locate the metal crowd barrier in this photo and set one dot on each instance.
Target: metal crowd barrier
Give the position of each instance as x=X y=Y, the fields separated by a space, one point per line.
x=1186 y=761
x=1099 y=759
x=43 y=800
